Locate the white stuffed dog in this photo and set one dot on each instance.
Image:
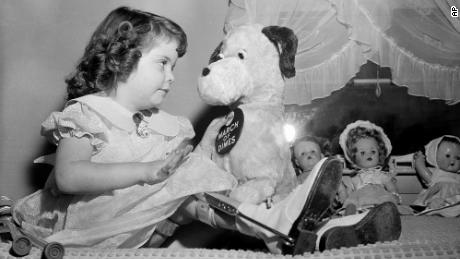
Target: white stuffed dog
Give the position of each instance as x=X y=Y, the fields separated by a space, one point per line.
x=246 y=73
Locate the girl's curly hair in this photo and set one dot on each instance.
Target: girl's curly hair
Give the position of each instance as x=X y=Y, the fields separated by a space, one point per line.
x=116 y=46
x=358 y=133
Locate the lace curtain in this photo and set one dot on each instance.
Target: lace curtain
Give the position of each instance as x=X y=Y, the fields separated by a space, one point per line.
x=417 y=39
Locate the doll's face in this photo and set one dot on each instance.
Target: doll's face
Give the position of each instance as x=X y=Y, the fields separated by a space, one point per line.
x=307 y=154
x=448 y=156
x=367 y=153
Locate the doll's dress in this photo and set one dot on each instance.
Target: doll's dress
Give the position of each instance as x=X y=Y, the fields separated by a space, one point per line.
x=123 y=218
x=366 y=188
x=444 y=185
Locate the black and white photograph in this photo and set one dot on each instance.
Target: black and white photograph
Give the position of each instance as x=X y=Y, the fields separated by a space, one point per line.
x=230 y=129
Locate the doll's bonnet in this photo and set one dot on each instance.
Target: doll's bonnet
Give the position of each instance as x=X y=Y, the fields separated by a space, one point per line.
x=364 y=124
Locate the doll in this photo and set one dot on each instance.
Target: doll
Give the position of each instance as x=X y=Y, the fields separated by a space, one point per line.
x=366 y=147
x=442 y=178
x=306 y=152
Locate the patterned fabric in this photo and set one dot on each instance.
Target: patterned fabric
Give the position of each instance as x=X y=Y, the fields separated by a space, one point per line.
x=123 y=218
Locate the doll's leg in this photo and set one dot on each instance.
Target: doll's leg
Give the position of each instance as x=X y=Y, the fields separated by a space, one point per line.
x=351 y=204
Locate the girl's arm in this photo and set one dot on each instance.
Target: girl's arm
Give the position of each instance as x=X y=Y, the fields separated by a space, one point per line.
x=76 y=174
x=420 y=167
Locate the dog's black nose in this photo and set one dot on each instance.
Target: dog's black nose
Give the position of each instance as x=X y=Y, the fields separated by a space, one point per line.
x=205 y=71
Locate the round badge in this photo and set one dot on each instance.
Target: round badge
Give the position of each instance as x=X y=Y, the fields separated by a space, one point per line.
x=230 y=132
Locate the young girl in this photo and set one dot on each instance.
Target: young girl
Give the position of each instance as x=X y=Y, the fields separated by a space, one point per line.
x=366 y=147
x=306 y=153
x=117 y=176
x=443 y=178
x=124 y=175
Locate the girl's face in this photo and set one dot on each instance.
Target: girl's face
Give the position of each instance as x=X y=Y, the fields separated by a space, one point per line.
x=151 y=80
x=448 y=156
x=367 y=153
x=307 y=154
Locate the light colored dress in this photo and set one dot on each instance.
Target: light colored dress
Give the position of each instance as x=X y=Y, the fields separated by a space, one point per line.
x=367 y=188
x=123 y=218
x=445 y=186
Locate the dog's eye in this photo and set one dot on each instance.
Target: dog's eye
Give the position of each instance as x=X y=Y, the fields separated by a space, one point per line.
x=241 y=54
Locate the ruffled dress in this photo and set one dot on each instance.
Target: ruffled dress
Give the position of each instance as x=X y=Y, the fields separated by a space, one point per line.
x=367 y=188
x=122 y=218
x=444 y=186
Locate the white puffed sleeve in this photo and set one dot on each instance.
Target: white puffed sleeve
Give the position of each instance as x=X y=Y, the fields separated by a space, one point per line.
x=75 y=121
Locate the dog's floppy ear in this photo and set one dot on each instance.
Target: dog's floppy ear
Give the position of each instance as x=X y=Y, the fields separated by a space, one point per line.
x=215 y=55
x=286 y=43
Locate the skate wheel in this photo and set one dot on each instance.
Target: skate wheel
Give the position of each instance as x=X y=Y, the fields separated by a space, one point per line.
x=21 y=246
x=53 y=250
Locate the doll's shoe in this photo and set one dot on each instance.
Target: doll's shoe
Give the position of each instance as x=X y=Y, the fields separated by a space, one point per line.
x=417 y=208
x=298 y=214
x=379 y=224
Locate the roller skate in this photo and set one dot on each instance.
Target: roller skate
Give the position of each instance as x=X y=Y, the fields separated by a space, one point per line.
x=21 y=241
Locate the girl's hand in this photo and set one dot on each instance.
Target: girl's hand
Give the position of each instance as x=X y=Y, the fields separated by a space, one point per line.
x=175 y=159
x=169 y=165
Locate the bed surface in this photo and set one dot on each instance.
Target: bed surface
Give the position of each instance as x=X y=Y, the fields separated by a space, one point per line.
x=421 y=237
